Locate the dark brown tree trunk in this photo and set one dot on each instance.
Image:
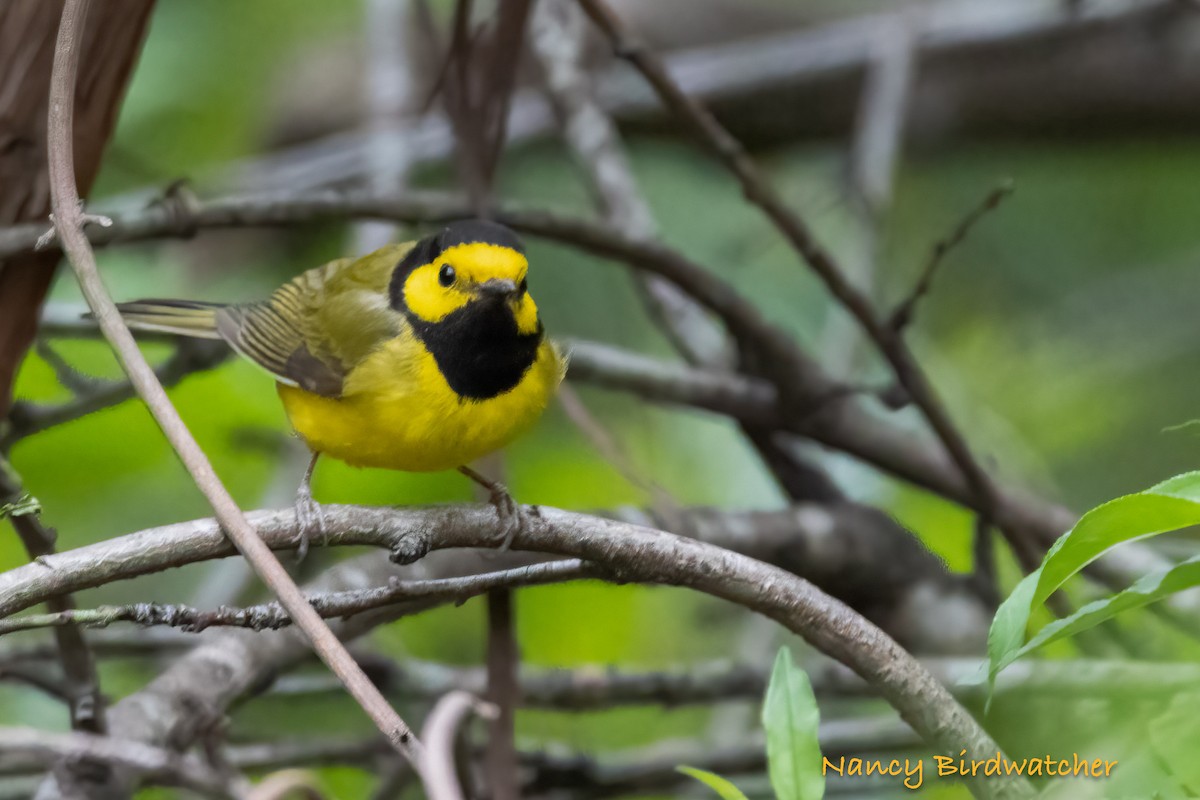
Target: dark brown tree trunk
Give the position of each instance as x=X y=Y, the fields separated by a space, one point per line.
x=114 y=35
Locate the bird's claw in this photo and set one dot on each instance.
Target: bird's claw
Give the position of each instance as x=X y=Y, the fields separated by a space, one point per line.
x=310 y=519
x=512 y=516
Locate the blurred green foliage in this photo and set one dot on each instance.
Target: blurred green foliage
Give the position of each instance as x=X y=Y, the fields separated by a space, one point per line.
x=1061 y=333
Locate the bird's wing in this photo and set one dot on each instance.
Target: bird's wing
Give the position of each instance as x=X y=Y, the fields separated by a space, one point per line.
x=317 y=327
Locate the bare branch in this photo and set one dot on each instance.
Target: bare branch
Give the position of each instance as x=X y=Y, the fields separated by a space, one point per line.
x=823 y=544
x=81 y=683
x=190 y=356
x=654 y=770
x=272 y=616
x=760 y=192
x=629 y=552
x=875 y=148
x=902 y=316
x=591 y=688
x=68 y=221
x=441 y=733
x=806 y=73
x=153 y=763
x=640 y=771
x=557 y=36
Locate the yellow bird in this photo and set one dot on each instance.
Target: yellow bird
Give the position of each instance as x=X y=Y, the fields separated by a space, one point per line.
x=419 y=356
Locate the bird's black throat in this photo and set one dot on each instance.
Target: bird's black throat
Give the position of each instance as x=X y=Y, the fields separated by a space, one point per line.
x=478 y=348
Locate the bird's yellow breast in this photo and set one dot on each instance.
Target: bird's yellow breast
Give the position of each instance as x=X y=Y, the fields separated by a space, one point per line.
x=398 y=412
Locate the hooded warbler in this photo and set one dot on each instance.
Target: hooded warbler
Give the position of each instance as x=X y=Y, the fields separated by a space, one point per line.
x=420 y=356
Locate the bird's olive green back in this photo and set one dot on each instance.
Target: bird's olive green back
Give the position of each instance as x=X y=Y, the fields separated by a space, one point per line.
x=317 y=327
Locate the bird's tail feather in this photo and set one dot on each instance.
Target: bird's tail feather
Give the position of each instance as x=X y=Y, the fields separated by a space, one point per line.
x=179 y=317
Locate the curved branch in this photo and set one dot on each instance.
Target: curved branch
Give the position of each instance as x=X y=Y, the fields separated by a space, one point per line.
x=629 y=552
x=441 y=732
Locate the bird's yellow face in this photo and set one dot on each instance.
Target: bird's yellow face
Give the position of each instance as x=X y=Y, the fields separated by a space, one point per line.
x=472 y=272
x=463 y=293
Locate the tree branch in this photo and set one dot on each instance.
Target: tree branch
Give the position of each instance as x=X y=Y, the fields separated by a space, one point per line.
x=81 y=683
x=896 y=587
x=557 y=38
x=190 y=356
x=272 y=616
x=441 y=733
x=68 y=222
x=591 y=688
x=153 y=763
x=629 y=552
x=903 y=314
x=976 y=60
x=656 y=771
x=760 y=192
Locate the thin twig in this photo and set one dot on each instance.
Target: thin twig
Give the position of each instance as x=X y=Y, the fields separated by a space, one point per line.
x=190 y=356
x=68 y=221
x=606 y=444
x=67 y=376
x=984 y=569
x=875 y=149
x=903 y=315
x=333 y=605
x=81 y=684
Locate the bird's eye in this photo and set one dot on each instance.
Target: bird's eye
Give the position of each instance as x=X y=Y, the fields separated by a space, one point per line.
x=523 y=287
x=446 y=275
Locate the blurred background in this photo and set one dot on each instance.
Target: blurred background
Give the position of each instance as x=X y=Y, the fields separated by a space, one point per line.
x=1062 y=331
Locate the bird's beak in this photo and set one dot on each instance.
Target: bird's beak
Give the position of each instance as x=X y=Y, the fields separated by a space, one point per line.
x=499 y=288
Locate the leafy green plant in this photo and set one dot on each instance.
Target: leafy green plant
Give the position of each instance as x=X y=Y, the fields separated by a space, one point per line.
x=1169 y=506
x=791 y=719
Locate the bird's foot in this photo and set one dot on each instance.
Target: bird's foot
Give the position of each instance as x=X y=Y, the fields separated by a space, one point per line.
x=512 y=516
x=310 y=519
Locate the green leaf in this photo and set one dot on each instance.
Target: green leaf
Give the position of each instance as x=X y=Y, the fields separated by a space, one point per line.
x=1173 y=738
x=1147 y=589
x=791 y=717
x=1168 y=506
x=722 y=787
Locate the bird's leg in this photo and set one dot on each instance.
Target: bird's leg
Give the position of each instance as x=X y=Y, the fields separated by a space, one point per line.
x=309 y=516
x=511 y=517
